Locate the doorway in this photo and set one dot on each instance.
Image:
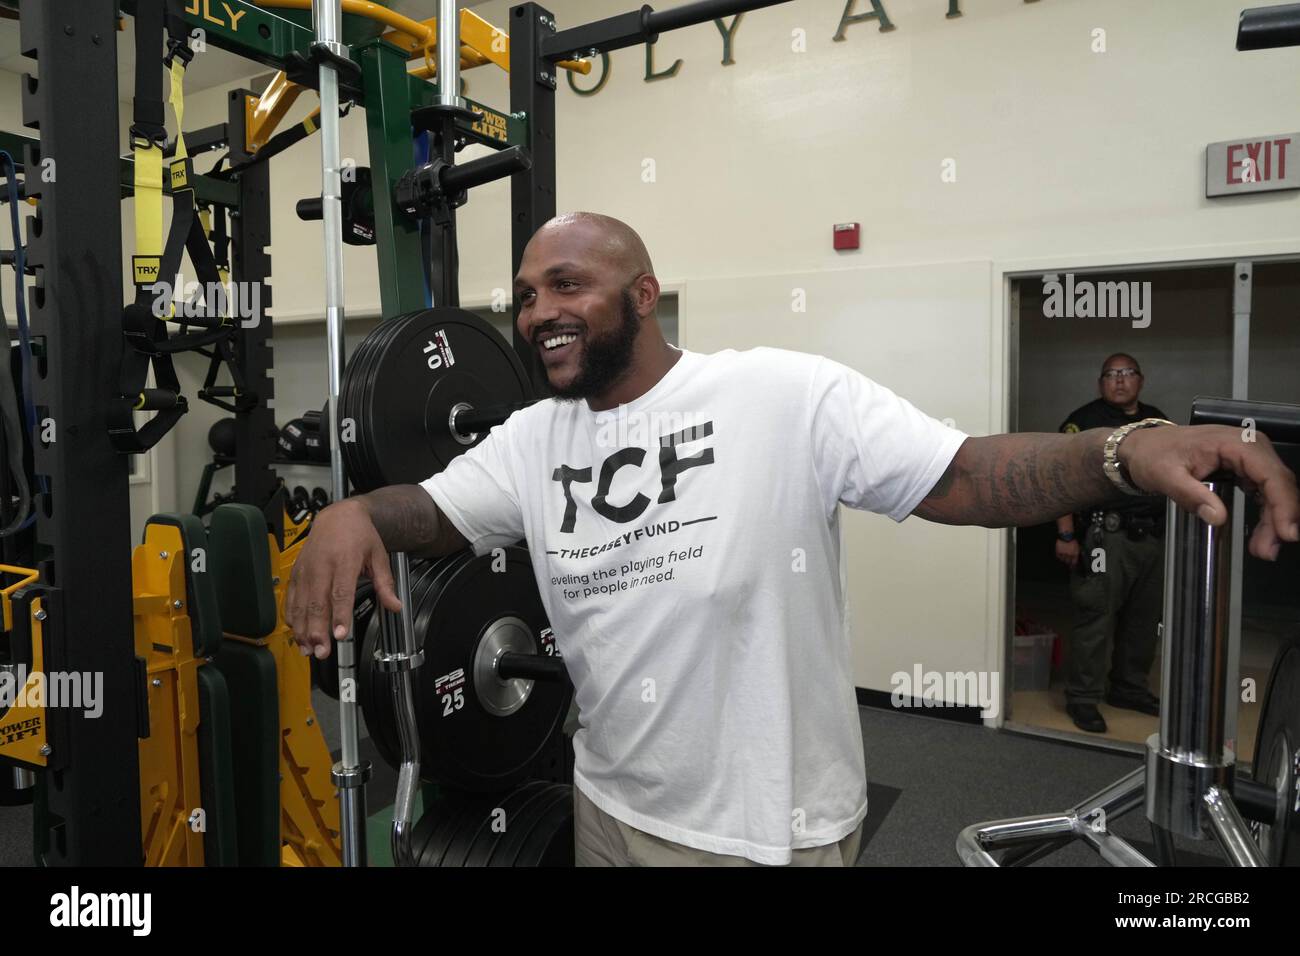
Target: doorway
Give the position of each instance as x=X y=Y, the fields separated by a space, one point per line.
x=1180 y=324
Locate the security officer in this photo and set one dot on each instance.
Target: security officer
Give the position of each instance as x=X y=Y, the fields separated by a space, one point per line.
x=1116 y=560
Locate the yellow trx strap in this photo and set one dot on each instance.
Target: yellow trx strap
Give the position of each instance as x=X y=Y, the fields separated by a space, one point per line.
x=147 y=261
x=178 y=104
x=148 y=196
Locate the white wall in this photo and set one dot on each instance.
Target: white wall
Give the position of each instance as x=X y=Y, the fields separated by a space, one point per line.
x=917 y=591
x=1186 y=350
x=1065 y=158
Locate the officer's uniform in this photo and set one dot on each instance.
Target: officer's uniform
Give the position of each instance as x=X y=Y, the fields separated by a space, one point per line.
x=1122 y=605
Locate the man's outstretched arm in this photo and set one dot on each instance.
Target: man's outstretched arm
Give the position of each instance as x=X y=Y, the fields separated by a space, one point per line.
x=1012 y=480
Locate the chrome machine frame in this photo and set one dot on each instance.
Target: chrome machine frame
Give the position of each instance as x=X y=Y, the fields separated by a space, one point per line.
x=1188 y=785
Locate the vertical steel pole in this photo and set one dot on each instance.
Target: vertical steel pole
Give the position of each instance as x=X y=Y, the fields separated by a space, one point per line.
x=449 y=54
x=349 y=774
x=1190 y=754
x=400 y=655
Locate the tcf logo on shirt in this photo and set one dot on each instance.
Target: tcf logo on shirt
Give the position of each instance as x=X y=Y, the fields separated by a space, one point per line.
x=670 y=466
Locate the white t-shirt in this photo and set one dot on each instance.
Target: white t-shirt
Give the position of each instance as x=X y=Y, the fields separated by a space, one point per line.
x=687 y=549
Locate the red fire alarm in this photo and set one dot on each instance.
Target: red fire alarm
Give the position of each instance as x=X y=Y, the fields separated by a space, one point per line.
x=848 y=235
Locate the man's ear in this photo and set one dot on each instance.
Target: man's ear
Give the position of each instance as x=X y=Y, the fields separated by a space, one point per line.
x=647 y=293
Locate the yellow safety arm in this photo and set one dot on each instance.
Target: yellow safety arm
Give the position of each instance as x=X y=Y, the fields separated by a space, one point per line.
x=263 y=114
x=481 y=42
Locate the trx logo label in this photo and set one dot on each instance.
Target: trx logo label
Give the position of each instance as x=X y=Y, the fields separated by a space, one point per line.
x=130 y=910
x=145 y=269
x=180 y=174
x=438 y=351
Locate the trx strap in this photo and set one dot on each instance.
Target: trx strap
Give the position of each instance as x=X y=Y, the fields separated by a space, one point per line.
x=147 y=343
x=295 y=134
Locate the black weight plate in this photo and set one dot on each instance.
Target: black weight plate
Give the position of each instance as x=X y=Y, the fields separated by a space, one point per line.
x=363 y=385
x=353 y=386
x=526 y=805
x=364 y=450
x=428 y=363
x=1275 y=753
x=348 y=411
x=445 y=820
x=373 y=686
x=375 y=694
x=464 y=744
x=377 y=704
x=543 y=806
x=377 y=341
x=475 y=839
x=550 y=842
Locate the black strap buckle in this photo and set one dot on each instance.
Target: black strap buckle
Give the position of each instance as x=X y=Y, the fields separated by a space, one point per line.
x=142 y=136
x=178 y=48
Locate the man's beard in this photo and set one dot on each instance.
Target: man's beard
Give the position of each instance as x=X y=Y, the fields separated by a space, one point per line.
x=605 y=359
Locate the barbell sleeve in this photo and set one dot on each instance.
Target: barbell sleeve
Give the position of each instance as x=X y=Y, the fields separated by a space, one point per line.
x=530 y=667
x=476 y=172
x=471 y=420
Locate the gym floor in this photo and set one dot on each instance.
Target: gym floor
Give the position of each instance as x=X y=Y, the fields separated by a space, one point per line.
x=928 y=778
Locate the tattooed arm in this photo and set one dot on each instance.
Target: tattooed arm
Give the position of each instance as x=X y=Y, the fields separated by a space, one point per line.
x=1011 y=480
x=351 y=538
x=408 y=520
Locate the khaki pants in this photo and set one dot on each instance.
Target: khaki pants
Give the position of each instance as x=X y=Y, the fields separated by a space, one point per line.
x=601 y=840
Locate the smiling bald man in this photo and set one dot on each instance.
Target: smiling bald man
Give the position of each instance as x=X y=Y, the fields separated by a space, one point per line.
x=682 y=514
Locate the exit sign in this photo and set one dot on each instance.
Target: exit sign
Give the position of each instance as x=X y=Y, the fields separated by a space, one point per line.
x=1255 y=164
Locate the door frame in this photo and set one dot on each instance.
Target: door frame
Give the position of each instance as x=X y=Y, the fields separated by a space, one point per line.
x=1004 y=396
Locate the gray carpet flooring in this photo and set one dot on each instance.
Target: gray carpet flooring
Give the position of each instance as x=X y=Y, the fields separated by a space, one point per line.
x=928 y=779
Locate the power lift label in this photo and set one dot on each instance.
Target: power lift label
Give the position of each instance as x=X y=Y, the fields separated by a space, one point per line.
x=492 y=125
x=18 y=730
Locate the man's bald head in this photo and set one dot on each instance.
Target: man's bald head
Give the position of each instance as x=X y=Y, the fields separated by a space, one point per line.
x=599 y=239
x=587 y=298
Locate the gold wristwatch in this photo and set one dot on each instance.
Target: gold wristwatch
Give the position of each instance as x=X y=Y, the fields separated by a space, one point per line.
x=1110 y=462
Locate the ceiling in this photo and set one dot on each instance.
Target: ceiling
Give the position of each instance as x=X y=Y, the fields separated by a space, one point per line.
x=213 y=68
